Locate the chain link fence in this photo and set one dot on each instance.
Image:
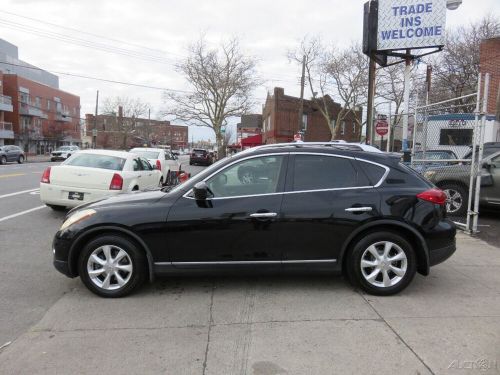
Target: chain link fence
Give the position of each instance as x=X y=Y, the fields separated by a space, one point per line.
x=447 y=150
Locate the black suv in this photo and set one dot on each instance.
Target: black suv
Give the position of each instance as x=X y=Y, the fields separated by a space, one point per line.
x=11 y=153
x=318 y=207
x=200 y=156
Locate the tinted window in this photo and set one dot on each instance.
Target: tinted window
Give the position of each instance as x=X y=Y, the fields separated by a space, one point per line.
x=372 y=171
x=313 y=172
x=96 y=161
x=250 y=177
x=455 y=137
x=136 y=165
x=145 y=165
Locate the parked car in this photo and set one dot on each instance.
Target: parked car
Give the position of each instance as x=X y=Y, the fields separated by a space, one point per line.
x=63 y=152
x=11 y=153
x=91 y=175
x=313 y=207
x=200 y=156
x=165 y=161
x=433 y=159
x=489 y=148
x=454 y=180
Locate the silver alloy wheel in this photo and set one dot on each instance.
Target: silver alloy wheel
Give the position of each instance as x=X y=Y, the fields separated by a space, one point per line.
x=384 y=264
x=109 y=267
x=454 y=200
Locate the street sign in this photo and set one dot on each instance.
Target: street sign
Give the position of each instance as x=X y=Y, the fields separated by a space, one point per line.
x=382 y=127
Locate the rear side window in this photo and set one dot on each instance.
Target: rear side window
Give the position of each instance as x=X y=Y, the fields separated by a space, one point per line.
x=372 y=171
x=96 y=161
x=315 y=172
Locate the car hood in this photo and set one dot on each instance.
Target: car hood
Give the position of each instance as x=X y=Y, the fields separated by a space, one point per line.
x=458 y=168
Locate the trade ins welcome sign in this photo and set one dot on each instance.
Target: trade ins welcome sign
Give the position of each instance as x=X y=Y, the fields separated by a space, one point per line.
x=410 y=24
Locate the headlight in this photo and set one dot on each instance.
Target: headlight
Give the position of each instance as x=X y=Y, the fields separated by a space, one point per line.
x=429 y=174
x=77 y=217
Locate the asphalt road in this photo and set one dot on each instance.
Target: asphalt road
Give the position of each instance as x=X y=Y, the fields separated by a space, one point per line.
x=29 y=284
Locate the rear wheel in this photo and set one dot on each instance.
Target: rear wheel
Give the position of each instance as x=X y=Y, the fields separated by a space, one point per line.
x=456 y=199
x=382 y=263
x=112 y=266
x=56 y=207
x=21 y=159
x=3 y=160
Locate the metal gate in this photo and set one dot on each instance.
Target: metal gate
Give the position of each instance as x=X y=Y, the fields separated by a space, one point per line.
x=448 y=140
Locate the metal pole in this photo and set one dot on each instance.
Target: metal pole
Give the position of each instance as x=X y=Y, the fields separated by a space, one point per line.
x=371 y=95
x=388 y=148
x=480 y=156
x=301 y=105
x=473 y=165
x=94 y=131
x=406 y=99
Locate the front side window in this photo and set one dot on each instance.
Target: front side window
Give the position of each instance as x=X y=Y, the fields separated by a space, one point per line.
x=316 y=172
x=254 y=176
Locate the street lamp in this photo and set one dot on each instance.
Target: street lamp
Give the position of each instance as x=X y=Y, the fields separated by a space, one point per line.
x=453 y=4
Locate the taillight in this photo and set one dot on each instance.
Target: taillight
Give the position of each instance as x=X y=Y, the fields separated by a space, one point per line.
x=436 y=196
x=158 y=165
x=46 y=176
x=116 y=182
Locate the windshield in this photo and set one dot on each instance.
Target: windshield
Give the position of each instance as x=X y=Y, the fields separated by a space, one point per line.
x=96 y=161
x=435 y=155
x=146 y=154
x=64 y=148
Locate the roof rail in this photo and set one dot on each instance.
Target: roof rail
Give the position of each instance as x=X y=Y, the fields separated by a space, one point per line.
x=340 y=145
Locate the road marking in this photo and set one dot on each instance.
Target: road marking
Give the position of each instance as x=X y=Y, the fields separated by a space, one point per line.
x=21 y=213
x=19 y=192
x=12 y=175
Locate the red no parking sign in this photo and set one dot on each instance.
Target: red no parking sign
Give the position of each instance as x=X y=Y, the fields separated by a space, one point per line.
x=382 y=127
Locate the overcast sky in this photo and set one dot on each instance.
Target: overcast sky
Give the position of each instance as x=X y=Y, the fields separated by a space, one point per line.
x=161 y=30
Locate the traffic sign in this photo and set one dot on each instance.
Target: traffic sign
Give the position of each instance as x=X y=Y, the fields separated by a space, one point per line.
x=382 y=127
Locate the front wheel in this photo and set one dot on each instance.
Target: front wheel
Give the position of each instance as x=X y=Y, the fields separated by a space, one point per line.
x=111 y=266
x=382 y=263
x=21 y=159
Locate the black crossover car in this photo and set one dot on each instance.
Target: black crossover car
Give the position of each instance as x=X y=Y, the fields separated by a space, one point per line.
x=316 y=207
x=200 y=156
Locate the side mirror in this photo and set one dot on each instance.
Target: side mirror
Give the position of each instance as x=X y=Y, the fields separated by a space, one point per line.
x=200 y=191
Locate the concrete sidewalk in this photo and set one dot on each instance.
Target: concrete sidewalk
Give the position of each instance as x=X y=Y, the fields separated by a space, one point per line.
x=37 y=158
x=446 y=323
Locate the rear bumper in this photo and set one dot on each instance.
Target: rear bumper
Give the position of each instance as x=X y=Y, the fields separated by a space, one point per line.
x=200 y=161
x=437 y=256
x=58 y=195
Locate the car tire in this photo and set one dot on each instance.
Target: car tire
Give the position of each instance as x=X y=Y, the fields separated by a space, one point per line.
x=160 y=184
x=56 y=207
x=375 y=274
x=102 y=253
x=3 y=160
x=457 y=197
x=20 y=160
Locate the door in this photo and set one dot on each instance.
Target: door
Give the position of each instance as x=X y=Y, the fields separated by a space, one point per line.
x=326 y=198
x=237 y=225
x=492 y=193
x=149 y=176
x=11 y=153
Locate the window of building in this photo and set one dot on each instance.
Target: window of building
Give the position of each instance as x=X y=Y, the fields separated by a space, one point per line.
x=48 y=104
x=455 y=137
x=353 y=127
x=315 y=172
x=38 y=102
x=342 y=128
x=304 y=121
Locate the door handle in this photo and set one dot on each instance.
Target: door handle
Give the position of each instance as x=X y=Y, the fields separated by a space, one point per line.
x=260 y=215
x=359 y=209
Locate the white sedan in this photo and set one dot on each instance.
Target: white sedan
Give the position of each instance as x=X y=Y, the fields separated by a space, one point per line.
x=94 y=174
x=164 y=160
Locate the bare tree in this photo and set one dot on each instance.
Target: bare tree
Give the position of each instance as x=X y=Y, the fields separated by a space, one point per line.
x=456 y=69
x=133 y=109
x=222 y=81
x=348 y=69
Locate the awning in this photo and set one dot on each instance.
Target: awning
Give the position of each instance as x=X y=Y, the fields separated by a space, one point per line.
x=254 y=140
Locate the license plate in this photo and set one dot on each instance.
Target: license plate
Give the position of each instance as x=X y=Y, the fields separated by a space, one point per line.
x=74 y=195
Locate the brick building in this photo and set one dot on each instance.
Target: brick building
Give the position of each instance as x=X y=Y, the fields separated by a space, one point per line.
x=34 y=113
x=119 y=132
x=280 y=120
x=489 y=62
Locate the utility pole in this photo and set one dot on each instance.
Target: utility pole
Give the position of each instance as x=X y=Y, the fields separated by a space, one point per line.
x=301 y=106
x=94 y=131
x=406 y=99
x=149 y=127
x=371 y=95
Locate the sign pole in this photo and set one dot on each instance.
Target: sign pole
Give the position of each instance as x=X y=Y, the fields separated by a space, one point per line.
x=371 y=94
x=406 y=99
x=388 y=146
